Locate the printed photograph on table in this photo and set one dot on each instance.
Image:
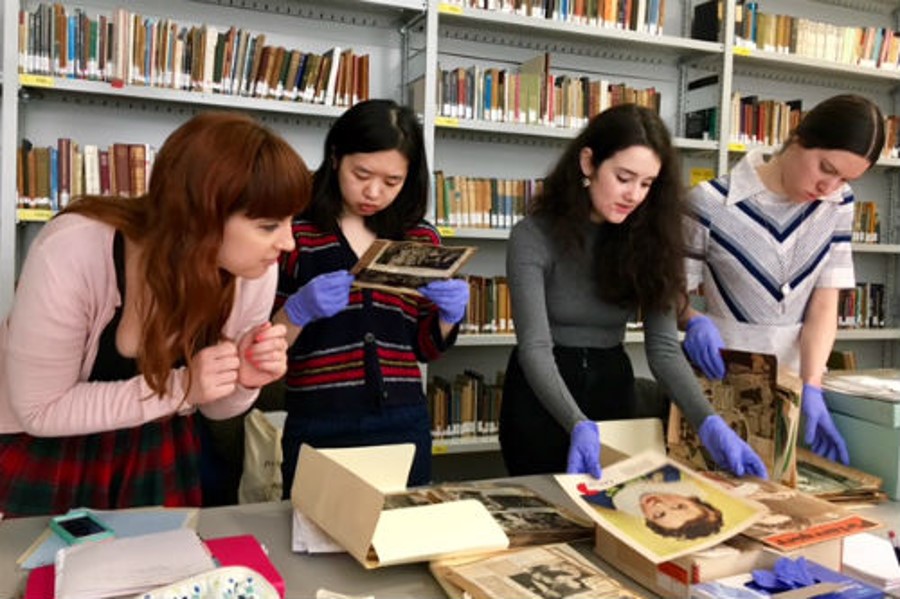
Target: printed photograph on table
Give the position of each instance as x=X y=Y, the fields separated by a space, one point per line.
x=546 y=572
x=404 y=266
x=660 y=508
x=835 y=482
x=794 y=519
x=759 y=402
x=525 y=517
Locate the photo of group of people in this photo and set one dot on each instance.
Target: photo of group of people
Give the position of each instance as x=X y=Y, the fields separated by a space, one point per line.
x=525 y=517
x=404 y=266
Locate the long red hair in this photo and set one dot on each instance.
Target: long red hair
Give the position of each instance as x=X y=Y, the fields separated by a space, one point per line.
x=216 y=165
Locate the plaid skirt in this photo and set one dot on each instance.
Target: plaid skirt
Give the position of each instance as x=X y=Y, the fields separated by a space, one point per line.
x=153 y=464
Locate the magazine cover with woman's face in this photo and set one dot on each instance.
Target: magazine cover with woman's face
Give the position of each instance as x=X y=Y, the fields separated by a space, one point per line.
x=660 y=508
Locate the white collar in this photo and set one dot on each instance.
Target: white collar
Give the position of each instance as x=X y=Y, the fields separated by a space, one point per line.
x=744 y=181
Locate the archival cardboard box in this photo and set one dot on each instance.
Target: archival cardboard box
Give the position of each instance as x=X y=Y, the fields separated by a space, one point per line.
x=736 y=556
x=343 y=492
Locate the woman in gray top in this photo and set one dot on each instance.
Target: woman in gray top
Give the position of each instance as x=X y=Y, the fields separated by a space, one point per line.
x=602 y=240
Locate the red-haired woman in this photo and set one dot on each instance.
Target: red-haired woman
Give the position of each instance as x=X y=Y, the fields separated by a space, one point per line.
x=131 y=314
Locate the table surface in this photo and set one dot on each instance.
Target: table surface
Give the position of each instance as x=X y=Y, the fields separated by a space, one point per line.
x=305 y=574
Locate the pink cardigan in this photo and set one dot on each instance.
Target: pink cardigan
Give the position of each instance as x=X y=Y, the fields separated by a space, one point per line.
x=65 y=297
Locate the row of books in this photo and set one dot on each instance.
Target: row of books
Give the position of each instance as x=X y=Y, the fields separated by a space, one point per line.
x=482 y=202
x=51 y=176
x=636 y=15
x=530 y=95
x=862 y=307
x=874 y=47
x=489 y=309
x=765 y=121
x=866 y=224
x=130 y=48
x=468 y=406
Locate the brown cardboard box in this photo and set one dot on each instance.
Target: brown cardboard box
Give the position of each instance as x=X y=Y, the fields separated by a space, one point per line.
x=343 y=491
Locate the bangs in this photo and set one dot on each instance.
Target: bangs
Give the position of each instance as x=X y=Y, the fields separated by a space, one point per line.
x=279 y=186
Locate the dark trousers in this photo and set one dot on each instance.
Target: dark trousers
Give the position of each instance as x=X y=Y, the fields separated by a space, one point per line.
x=398 y=424
x=603 y=385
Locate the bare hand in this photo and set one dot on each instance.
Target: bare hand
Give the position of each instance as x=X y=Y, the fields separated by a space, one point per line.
x=214 y=373
x=263 y=355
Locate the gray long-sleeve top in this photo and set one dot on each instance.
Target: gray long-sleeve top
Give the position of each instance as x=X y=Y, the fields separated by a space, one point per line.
x=554 y=302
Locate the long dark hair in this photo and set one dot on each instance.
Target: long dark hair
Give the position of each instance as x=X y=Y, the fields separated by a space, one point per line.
x=214 y=166
x=640 y=261
x=844 y=122
x=373 y=126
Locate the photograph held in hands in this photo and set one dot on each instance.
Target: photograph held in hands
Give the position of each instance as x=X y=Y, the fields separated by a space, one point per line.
x=404 y=266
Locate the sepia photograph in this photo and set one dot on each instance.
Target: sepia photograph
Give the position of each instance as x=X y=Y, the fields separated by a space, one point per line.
x=759 y=403
x=525 y=517
x=794 y=519
x=404 y=266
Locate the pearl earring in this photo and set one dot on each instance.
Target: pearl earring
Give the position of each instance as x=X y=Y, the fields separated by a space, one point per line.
x=585 y=182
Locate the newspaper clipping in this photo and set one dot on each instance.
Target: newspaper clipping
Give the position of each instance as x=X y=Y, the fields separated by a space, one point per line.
x=546 y=572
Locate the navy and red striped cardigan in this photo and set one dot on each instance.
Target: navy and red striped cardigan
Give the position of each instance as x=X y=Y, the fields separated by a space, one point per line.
x=365 y=356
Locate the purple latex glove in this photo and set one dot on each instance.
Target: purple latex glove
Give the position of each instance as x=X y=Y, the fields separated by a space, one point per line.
x=584 y=449
x=821 y=434
x=790 y=574
x=323 y=296
x=728 y=450
x=702 y=343
x=451 y=298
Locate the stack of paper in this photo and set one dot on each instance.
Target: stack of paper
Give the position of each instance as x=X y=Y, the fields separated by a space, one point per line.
x=872 y=559
x=129 y=566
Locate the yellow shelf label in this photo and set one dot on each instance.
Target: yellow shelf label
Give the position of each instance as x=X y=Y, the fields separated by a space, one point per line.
x=446 y=121
x=736 y=147
x=450 y=9
x=699 y=175
x=37 y=80
x=439 y=449
x=742 y=51
x=447 y=231
x=34 y=215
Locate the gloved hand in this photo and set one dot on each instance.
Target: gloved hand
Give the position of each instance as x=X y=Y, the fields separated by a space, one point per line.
x=450 y=296
x=584 y=449
x=702 y=343
x=323 y=296
x=821 y=434
x=790 y=574
x=728 y=450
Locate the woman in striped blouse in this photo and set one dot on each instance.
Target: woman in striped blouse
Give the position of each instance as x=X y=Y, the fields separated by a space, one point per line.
x=770 y=243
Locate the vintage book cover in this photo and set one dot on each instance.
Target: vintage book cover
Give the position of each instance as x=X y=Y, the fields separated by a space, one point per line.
x=404 y=266
x=759 y=402
x=525 y=517
x=660 y=508
x=794 y=519
x=546 y=572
